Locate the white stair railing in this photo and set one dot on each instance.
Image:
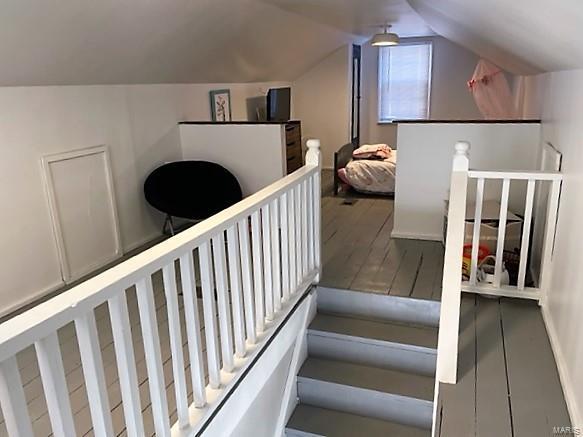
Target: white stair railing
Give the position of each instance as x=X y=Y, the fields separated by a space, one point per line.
x=253 y=261
x=534 y=181
x=461 y=178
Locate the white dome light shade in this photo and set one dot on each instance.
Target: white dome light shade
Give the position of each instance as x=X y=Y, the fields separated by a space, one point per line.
x=385 y=39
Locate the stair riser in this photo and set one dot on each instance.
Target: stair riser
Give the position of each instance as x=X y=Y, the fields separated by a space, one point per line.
x=369 y=403
x=381 y=354
x=390 y=308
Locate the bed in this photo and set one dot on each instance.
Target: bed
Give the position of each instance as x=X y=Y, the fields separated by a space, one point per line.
x=369 y=175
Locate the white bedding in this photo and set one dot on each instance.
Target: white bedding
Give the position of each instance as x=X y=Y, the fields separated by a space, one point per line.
x=372 y=176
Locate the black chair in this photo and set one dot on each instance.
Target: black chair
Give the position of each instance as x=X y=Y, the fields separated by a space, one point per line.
x=192 y=190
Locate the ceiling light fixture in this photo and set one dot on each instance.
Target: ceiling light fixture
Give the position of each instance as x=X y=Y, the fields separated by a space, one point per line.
x=385 y=38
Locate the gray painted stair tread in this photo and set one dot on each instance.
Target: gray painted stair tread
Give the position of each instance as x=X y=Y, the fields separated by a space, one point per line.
x=371 y=378
x=313 y=421
x=391 y=332
x=380 y=307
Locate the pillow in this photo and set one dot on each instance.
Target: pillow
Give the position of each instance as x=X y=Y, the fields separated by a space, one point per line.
x=342 y=176
x=372 y=151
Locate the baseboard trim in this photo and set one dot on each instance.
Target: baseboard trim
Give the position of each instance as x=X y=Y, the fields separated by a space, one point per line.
x=416 y=236
x=568 y=391
x=29 y=302
x=62 y=286
x=143 y=241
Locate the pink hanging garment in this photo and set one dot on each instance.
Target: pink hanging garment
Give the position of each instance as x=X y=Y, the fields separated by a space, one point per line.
x=492 y=92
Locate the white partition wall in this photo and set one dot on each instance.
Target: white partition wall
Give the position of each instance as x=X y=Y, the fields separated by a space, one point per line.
x=253 y=152
x=424 y=168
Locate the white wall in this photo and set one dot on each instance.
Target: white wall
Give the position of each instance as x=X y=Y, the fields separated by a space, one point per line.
x=137 y=123
x=321 y=100
x=260 y=419
x=452 y=67
x=529 y=95
x=424 y=168
x=254 y=153
x=563 y=106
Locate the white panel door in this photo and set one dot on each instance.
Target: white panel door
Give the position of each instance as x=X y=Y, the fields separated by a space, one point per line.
x=81 y=199
x=550 y=161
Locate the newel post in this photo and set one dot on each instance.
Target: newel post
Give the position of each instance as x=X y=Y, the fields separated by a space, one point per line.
x=313 y=153
x=314 y=158
x=449 y=320
x=461 y=157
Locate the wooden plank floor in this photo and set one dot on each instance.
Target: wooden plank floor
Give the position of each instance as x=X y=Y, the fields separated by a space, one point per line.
x=358 y=252
x=508 y=382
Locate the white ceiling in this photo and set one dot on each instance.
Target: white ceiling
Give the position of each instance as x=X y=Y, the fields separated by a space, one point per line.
x=68 y=42
x=360 y=17
x=522 y=36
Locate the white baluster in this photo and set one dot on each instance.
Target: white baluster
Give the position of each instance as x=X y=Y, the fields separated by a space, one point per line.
x=191 y=317
x=477 y=226
x=313 y=157
x=293 y=269
x=126 y=367
x=304 y=212
x=174 y=331
x=209 y=310
x=147 y=310
x=223 y=302
x=93 y=374
x=52 y=374
x=267 y=271
x=258 y=270
x=317 y=225
x=501 y=232
x=298 y=205
x=236 y=296
x=12 y=400
x=275 y=255
x=310 y=215
x=526 y=233
x=285 y=266
x=248 y=300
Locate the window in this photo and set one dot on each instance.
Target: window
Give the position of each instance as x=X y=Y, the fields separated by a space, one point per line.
x=404 y=81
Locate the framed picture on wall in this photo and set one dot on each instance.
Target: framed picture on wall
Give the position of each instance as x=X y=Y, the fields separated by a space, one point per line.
x=220 y=105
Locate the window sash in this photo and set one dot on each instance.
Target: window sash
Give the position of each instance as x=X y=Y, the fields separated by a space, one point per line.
x=404 y=81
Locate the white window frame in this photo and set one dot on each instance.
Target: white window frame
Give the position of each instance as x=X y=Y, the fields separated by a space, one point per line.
x=429 y=82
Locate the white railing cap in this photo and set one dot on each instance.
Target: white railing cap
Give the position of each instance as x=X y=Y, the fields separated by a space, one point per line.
x=313 y=154
x=462 y=148
x=461 y=160
x=537 y=175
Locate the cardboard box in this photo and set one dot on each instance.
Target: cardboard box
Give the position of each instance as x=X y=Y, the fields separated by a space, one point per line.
x=489 y=226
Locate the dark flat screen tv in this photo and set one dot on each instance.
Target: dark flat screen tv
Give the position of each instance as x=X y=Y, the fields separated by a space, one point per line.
x=278 y=104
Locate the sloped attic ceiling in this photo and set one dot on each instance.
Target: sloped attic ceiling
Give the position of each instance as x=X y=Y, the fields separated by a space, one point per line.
x=72 y=42
x=360 y=17
x=521 y=36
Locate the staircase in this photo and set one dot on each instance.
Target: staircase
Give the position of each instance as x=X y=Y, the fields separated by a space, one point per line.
x=370 y=367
